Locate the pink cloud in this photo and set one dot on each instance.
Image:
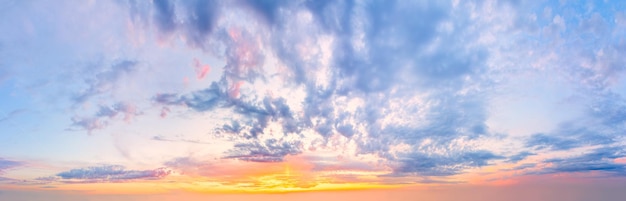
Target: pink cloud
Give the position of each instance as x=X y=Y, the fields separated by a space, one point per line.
x=234 y=89
x=201 y=69
x=164 y=112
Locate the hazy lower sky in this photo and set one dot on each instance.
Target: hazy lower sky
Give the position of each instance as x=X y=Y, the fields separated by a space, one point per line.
x=312 y=100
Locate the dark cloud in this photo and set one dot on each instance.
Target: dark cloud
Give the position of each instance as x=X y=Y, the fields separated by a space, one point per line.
x=544 y=141
x=520 y=156
x=195 y=19
x=201 y=20
x=110 y=173
x=600 y=159
x=201 y=100
x=165 y=16
x=268 y=10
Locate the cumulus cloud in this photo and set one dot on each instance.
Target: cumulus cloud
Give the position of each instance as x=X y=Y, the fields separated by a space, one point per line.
x=109 y=173
x=410 y=85
x=415 y=93
x=369 y=53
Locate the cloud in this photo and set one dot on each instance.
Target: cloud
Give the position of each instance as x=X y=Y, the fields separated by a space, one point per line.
x=368 y=52
x=8 y=164
x=425 y=164
x=110 y=173
x=178 y=139
x=267 y=10
x=599 y=159
x=165 y=16
x=602 y=124
x=341 y=53
x=12 y=114
x=520 y=156
x=525 y=166
x=201 y=69
x=201 y=100
x=596 y=24
x=202 y=17
x=195 y=20
x=105 y=81
x=271 y=150
x=105 y=114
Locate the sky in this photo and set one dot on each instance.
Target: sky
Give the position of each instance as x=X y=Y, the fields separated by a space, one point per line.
x=312 y=100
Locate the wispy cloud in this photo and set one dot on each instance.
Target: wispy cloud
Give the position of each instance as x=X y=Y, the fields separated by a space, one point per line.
x=600 y=159
x=105 y=82
x=105 y=114
x=108 y=173
x=12 y=114
x=8 y=164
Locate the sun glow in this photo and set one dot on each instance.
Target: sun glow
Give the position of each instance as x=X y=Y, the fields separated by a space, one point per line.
x=295 y=176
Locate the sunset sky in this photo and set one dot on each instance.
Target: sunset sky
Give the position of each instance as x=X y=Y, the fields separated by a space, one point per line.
x=312 y=100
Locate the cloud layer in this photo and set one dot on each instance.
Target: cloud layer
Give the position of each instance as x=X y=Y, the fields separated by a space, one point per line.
x=400 y=91
x=107 y=173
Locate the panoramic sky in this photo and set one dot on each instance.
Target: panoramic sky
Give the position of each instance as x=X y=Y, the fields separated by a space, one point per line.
x=312 y=100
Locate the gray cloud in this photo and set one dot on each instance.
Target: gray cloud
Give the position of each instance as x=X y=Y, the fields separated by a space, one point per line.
x=201 y=20
x=520 y=156
x=8 y=164
x=110 y=173
x=425 y=164
x=268 y=10
x=271 y=150
x=525 y=166
x=600 y=159
x=165 y=16
x=393 y=55
x=104 y=82
x=603 y=125
x=106 y=113
x=195 y=19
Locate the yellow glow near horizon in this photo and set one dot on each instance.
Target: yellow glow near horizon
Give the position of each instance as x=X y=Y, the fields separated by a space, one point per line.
x=291 y=179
